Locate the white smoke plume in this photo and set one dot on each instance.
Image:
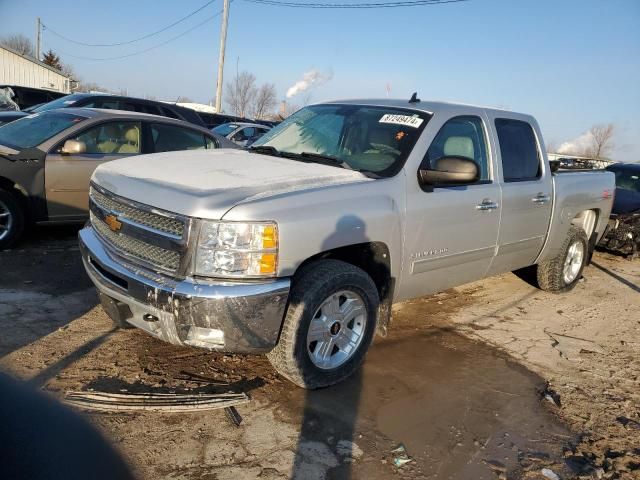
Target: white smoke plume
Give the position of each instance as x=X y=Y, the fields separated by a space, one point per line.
x=578 y=145
x=312 y=78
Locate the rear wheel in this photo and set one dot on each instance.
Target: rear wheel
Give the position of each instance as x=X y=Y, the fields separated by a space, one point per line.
x=562 y=273
x=329 y=325
x=11 y=219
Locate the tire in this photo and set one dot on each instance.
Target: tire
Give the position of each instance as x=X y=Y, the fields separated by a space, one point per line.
x=551 y=273
x=11 y=219
x=326 y=283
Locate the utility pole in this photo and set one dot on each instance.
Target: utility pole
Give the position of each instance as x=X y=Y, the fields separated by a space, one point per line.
x=223 y=42
x=38 y=30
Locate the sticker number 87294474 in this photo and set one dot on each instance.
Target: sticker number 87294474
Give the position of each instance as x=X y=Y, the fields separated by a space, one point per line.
x=406 y=120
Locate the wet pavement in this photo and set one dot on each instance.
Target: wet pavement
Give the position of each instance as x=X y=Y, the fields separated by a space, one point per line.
x=461 y=410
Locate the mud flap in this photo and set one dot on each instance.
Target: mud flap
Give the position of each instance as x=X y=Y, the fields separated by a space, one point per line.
x=118 y=312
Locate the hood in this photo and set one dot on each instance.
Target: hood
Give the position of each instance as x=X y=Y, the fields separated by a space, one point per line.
x=206 y=184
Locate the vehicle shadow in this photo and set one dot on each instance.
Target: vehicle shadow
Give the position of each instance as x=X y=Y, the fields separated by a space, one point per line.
x=43 y=286
x=329 y=415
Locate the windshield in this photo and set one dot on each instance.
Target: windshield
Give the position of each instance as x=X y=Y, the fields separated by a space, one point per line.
x=31 y=131
x=224 y=129
x=365 y=138
x=62 y=102
x=627 y=180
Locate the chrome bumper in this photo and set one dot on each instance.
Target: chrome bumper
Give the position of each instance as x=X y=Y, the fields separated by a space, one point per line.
x=222 y=316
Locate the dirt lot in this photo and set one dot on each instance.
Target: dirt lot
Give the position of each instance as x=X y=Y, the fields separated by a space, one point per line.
x=458 y=381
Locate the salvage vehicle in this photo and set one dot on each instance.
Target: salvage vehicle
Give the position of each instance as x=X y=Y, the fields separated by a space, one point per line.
x=241 y=133
x=46 y=159
x=623 y=233
x=298 y=247
x=111 y=102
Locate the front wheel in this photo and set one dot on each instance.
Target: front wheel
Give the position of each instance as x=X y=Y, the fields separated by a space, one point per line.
x=329 y=325
x=561 y=273
x=11 y=219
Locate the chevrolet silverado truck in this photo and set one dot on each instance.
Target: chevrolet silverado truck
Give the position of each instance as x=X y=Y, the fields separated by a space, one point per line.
x=298 y=247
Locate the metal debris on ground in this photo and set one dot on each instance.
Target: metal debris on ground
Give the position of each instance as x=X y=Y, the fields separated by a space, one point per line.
x=623 y=235
x=551 y=396
x=233 y=415
x=401 y=456
x=166 y=402
x=196 y=378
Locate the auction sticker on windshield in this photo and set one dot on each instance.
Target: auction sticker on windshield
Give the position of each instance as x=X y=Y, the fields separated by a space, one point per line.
x=406 y=120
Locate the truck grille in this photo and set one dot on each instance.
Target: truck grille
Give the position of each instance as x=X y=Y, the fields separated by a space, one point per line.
x=166 y=259
x=142 y=235
x=152 y=220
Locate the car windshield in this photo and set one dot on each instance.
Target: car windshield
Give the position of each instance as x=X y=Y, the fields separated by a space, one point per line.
x=627 y=180
x=366 y=138
x=31 y=131
x=61 y=102
x=224 y=129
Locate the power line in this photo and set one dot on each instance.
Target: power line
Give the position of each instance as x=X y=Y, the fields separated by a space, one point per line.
x=391 y=4
x=129 y=41
x=206 y=20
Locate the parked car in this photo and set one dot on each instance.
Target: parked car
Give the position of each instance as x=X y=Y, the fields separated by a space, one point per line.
x=46 y=159
x=623 y=234
x=111 y=102
x=243 y=134
x=27 y=97
x=212 y=120
x=298 y=247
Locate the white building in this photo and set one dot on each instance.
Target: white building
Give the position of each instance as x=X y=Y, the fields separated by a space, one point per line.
x=16 y=69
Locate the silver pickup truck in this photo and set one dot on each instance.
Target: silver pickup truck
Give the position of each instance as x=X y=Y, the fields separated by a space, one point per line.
x=298 y=247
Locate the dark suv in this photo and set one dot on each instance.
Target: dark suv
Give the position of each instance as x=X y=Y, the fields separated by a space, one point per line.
x=111 y=102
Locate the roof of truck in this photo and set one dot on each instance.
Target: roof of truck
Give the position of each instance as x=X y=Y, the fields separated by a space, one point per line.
x=426 y=106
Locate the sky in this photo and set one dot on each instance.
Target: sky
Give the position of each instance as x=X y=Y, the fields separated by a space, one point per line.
x=570 y=63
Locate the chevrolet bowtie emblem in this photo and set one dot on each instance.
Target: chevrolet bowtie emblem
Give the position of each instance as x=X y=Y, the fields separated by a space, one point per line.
x=114 y=224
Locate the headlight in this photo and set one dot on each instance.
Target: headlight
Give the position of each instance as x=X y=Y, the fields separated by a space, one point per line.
x=229 y=249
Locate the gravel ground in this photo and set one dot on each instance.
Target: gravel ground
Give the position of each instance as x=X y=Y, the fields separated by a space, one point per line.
x=459 y=381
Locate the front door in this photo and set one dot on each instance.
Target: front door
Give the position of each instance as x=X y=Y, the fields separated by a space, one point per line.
x=67 y=175
x=451 y=232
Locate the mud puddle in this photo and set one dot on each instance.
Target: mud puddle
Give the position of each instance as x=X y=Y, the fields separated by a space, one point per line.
x=462 y=411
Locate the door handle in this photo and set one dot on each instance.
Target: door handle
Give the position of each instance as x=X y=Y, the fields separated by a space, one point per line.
x=540 y=199
x=487 y=205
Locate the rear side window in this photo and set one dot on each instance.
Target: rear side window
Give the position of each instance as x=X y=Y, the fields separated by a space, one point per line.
x=518 y=150
x=168 y=138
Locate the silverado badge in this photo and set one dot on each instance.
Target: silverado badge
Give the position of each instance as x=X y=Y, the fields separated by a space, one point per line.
x=112 y=221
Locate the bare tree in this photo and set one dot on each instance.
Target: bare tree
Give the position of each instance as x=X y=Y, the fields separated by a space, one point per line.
x=265 y=101
x=19 y=43
x=240 y=93
x=601 y=141
x=182 y=99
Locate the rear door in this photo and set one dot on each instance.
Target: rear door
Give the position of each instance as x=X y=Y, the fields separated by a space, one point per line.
x=526 y=193
x=67 y=176
x=451 y=231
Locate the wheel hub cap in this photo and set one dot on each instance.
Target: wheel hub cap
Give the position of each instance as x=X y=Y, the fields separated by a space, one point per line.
x=573 y=262
x=6 y=220
x=336 y=329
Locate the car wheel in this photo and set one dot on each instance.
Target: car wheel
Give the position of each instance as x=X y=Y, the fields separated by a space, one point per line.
x=329 y=324
x=11 y=219
x=562 y=273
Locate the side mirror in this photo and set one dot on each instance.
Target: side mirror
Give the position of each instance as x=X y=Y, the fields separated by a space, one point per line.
x=450 y=171
x=72 y=147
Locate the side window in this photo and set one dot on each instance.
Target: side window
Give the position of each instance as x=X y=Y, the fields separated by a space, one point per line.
x=461 y=137
x=244 y=134
x=210 y=143
x=518 y=149
x=112 y=138
x=104 y=103
x=169 y=138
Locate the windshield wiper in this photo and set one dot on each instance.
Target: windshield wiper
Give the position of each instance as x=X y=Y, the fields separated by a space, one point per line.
x=266 y=149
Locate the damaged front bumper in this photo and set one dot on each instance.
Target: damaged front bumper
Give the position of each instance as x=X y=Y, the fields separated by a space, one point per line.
x=223 y=316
